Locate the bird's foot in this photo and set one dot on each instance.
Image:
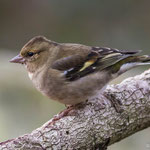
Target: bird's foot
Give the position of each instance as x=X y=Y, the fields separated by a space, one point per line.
x=62 y=114
x=69 y=111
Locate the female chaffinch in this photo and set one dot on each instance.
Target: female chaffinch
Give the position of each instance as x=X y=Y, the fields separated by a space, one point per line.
x=71 y=73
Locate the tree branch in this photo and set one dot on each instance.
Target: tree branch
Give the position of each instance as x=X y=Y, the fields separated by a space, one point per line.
x=120 y=111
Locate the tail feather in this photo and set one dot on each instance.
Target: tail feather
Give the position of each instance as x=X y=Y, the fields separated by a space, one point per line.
x=131 y=52
x=130 y=62
x=143 y=58
x=128 y=66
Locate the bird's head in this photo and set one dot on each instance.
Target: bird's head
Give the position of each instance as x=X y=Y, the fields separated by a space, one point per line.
x=35 y=53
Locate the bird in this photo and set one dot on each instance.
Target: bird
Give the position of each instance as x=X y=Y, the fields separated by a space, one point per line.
x=72 y=73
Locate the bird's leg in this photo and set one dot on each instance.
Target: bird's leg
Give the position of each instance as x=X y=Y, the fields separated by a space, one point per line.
x=63 y=113
x=70 y=110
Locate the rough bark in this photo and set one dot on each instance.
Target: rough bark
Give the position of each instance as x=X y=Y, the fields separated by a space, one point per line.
x=120 y=111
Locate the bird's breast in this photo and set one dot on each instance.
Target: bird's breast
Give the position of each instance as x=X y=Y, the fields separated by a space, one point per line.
x=30 y=75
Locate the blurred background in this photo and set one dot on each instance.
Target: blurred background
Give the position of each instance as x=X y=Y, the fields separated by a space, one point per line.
x=122 y=24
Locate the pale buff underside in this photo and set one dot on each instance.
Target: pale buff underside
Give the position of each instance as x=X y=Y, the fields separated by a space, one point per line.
x=67 y=92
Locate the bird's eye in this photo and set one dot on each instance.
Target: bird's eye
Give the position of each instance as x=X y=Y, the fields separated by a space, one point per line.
x=30 y=54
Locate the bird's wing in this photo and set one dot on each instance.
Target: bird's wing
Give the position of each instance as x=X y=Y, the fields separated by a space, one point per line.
x=77 y=66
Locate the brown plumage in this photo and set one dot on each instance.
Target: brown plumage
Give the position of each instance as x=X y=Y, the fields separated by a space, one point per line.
x=71 y=73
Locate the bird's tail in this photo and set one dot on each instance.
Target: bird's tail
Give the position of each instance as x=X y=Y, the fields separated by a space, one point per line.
x=130 y=62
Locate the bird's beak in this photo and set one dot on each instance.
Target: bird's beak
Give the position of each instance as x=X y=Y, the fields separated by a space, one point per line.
x=18 y=59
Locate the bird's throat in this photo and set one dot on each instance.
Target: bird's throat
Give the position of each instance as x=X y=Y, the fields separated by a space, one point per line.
x=30 y=74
